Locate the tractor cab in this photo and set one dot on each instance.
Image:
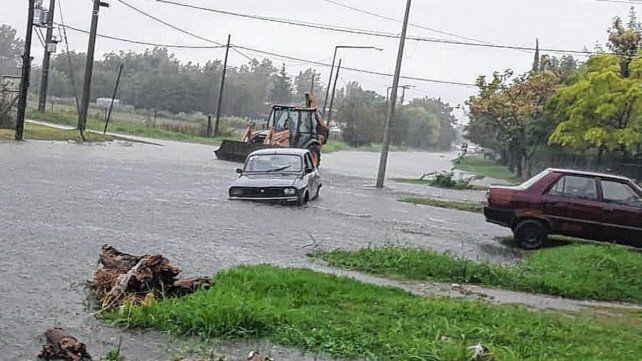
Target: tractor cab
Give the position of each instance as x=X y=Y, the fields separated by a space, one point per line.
x=299 y=122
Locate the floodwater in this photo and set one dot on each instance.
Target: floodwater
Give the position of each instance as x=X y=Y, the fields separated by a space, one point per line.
x=60 y=202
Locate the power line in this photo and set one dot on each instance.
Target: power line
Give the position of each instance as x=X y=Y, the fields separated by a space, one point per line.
x=399 y=21
x=352 y=69
x=140 y=42
x=358 y=31
x=176 y=27
x=621 y=1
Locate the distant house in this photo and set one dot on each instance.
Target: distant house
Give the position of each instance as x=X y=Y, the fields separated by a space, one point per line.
x=106 y=102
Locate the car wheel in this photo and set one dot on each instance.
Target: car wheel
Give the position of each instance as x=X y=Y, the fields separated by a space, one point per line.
x=316 y=196
x=530 y=234
x=304 y=198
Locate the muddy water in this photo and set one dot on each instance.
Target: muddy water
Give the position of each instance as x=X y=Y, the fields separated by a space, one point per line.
x=60 y=202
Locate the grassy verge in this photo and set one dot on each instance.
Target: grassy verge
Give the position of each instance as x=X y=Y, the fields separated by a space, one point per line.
x=476 y=164
x=39 y=132
x=348 y=319
x=131 y=128
x=441 y=203
x=427 y=182
x=335 y=146
x=577 y=271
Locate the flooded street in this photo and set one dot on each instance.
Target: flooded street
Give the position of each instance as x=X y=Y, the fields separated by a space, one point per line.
x=60 y=202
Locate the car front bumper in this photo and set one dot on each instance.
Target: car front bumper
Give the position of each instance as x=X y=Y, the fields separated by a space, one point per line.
x=266 y=199
x=502 y=217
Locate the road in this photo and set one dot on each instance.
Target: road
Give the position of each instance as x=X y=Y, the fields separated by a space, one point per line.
x=61 y=201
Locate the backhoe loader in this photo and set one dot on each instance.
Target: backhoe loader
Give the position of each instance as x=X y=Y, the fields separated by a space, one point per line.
x=287 y=126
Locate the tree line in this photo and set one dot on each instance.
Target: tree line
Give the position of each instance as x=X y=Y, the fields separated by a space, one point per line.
x=156 y=80
x=566 y=108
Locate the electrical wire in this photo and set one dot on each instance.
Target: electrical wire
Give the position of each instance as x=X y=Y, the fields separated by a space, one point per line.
x=358 y=31
x=140 y=42
x=40 y=37
x=71 y=71
x=400 y=21
x=620 y=1
x=353 y=69
x=176 y=27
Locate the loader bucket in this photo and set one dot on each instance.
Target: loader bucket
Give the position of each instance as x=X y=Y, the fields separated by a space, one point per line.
x=235 y=151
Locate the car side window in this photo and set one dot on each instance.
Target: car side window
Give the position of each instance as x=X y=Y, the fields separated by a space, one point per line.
x=575 y=187
x=620 y=193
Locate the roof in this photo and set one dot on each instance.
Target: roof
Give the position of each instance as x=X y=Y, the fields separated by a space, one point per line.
x=591 y=174
x=286 y=151
x=294 y=107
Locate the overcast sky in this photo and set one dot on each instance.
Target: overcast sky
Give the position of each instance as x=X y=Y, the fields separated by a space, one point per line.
x=560 y=24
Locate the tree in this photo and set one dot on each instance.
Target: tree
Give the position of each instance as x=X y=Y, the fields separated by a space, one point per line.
x=443 y=113
x=10 y=51
x=361 y=115
x=303 y=83
x=625 y=41
x=505 y=107
x=282 y=90
x=602 y=109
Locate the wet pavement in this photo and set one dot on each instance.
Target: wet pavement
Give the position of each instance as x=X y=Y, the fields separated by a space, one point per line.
x=60 y=202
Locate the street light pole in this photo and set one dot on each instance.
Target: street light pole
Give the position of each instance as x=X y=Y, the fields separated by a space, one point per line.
x=383 y=161
x=334 y=88
x=334 y=58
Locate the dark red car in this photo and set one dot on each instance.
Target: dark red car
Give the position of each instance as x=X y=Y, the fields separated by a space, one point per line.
x=572 y=203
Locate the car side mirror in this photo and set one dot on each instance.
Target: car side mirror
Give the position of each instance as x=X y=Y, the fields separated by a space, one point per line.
x=239 y=170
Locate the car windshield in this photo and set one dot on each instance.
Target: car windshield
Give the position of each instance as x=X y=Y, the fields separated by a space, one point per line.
x=534 y=180
x=273 y=163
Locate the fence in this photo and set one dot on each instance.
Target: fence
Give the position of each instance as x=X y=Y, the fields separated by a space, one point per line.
x=589 y=162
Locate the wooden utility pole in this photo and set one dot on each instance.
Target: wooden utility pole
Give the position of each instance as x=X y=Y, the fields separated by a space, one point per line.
x=312 y=84
x=44 y=80
x=220 y=93
x=89 y=66
x=383 y=161
x=334 y=88
x=24 y=79
x=111 y=104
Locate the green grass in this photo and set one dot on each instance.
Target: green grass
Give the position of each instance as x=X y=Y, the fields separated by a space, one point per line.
x=577 y=271
x=39 y=132
x=335 y=146
x=122 y=127
x=348 y=319
x=476 y=164
x=442 y=203
x=427 y=182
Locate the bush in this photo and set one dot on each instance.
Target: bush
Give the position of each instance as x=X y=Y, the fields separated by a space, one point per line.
x=447 y=179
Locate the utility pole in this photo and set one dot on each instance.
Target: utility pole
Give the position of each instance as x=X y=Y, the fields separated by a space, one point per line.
x=220 y=93
x=312 y=84
x=113 y=97
x=89 y=66
x=24 y=79
x=44 y=80
x=334 y=87
x=383 y=161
